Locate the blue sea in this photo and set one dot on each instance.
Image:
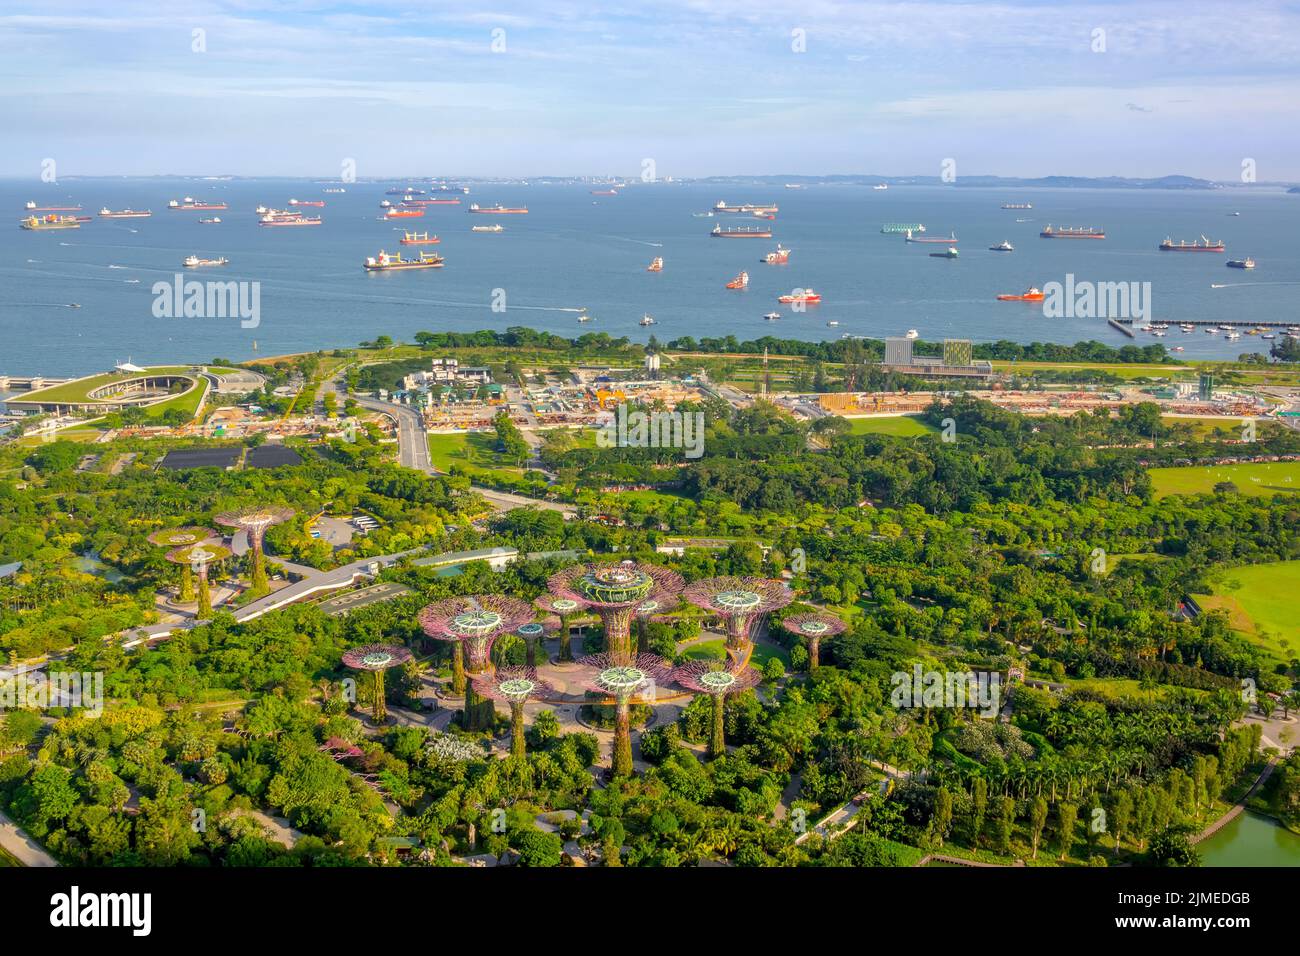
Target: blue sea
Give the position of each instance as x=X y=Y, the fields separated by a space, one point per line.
x=575 y=250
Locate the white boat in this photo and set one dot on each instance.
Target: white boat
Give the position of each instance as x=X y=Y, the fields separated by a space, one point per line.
x=772 y=316
x=647 y=319
x=912 y=334
x=880 y=186
x=1003 y=246
x=495 y=227
x=192 y=262
x=832 y=323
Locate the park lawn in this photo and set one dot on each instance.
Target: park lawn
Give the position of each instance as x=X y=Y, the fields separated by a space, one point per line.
x=1207 y=426
x=1260 y=600
x=1262 y=479
x=1118 y=369
x=472 y=451
x=707 y=651
x=900 y=426
x=650 y=497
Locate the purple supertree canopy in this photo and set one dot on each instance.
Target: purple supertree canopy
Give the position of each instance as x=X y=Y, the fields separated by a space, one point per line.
x=198 y=555
x=514 y=685
x=635 y=680
x=712 y=677
x=814 y=625
x=376 y=657
x=616 y=585
x=180 y=537
x=738 y=597
x=476 y=621
x=550 y=604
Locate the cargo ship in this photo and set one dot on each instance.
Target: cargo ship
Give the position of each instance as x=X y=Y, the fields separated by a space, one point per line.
x=408 y=201
x=307 y=202
x=721 y=206
x=194 y=262
x=404 y=191
x=740 y=282
x=215 y=220
x=899 y=228
x=32 y=207
x=1003 y=246
x=742 y=232
x=419 y=239
x=1196 y=245
x=1247 y=263
x=800 y=296
x=289 y=221
x=107 y=213
x=50 y=222
x=498 y=208
x=949 y=253
x=495 y=227
x=386 y=263
x=948 y=239
x=1017 y=205
x=335 y=189
x=778 y=258
x=604 y=192
x=1032 y=294
x=395 y=213
x=656 y=265
x=1072 y=232
x=189 y=204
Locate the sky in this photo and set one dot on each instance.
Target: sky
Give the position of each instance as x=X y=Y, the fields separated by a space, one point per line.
x=700 y=87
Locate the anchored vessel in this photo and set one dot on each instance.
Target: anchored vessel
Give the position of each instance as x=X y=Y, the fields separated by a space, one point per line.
x=1017 y=205
x=495 y=227
x=498 y=208
x=51 y=222
x=190 y=204
x=949 y=239
x=778 y=258
x=1072 y=232
x=1003 y=246
x=740 y=282
x=289 y=219
x=307 y=202
x=721 y=206
x=949 y=253
x=395 y=213
x=107 y=213
x=742 y=232
x=656 y=265
x=1247 y=263
x=899 y=228
x=807 y=296
x=193 y=262
x=32 y=207
x=385 y=262
x=1032 y=294
x=419 y=239
x=1196 y=245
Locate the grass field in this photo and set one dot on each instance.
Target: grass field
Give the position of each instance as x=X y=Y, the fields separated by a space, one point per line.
x=1118 y=369
x=901 y=426
x=1250 y=479
x=1260 y=601
x=75 y=391
x=475 y=450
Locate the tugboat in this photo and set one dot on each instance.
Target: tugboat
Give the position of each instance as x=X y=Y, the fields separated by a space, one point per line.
x=1002 y=246
x=800 y=296
x=647 y=319
x=1247 y=263
x=656 y=265
x=740 y=282
x=1032 y=294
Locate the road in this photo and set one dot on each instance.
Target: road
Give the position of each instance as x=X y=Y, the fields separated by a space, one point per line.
x=22 y=847
x=412 y=439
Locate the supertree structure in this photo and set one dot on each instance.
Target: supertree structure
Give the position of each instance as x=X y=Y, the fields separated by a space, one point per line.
x=177 y=538
x=533 y=632
x=625 y=681
x=613 y=591
x=197 y=557
x=255 y=521
x=718 y=681
x=514 y=685
x=475 y=623
x=565 y=609
x=740 y=602
x=815 y=627
x=377 y=659
x=642 y=613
